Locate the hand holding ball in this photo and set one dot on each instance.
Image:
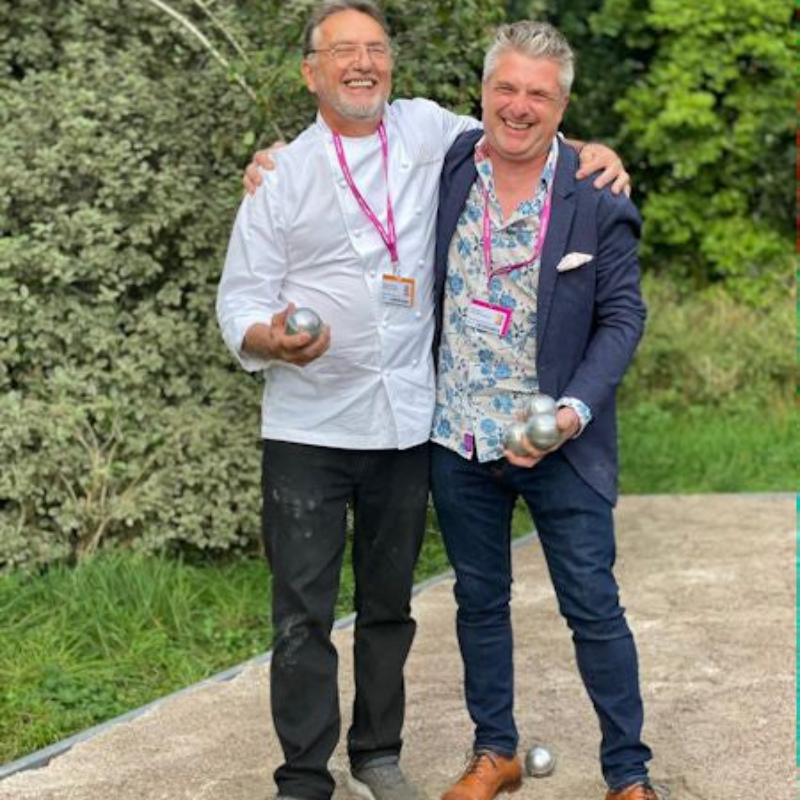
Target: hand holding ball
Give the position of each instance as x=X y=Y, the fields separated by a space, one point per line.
x=541 y=429
x=304 y=320
x=514 y=439
x=540 y=404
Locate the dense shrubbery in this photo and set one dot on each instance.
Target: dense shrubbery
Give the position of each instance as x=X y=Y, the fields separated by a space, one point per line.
x=698 y=99
x=118 y=416
x=709 y=351
x=121 y=142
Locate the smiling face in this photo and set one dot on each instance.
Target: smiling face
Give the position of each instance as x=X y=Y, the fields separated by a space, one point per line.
x=351 y=87
x=523 y=105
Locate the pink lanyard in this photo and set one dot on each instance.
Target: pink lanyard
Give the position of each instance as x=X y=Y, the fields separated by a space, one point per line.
x=389 y=236
x=487 y=238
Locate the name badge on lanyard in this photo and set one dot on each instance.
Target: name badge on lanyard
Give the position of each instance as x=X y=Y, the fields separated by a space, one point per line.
x=488 y=318
x=494 y=319
x=395 y=290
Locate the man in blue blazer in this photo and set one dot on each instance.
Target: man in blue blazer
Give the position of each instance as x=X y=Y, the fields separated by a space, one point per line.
x=537 y=290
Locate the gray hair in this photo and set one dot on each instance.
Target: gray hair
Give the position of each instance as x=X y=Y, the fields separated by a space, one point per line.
x=535 y=40
x=327 y=8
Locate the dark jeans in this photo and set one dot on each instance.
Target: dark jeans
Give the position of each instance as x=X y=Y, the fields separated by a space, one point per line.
x=474 y=503
x=306 y=493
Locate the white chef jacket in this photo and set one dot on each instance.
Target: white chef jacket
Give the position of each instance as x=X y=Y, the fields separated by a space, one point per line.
x=303 y=238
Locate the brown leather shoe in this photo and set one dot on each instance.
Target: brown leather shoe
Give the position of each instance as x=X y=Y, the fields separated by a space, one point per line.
x=639 y=791
x=486 y=775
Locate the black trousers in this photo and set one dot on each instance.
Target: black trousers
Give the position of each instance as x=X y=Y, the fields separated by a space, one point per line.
x=306 y=493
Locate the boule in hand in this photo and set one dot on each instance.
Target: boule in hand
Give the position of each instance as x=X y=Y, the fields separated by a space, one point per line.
x=542 y=431
x=304 y=320
x=514 y=439
x=540 y=404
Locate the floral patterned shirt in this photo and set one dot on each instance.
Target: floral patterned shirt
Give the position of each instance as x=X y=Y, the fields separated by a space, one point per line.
x=484 y=378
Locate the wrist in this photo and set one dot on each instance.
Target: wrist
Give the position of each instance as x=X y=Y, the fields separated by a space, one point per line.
x=581 y=411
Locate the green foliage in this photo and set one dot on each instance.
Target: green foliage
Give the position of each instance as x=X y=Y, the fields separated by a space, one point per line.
x=707 y=450
x=705 y=350
x=122 y=417
x=78 y=646
x=122 y=134
x=441 y=47
x=708 y=122
x=696 y=97
x=81 y=645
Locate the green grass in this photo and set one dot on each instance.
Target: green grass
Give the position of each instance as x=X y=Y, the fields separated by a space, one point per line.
x=79 y=646
x=706 y=451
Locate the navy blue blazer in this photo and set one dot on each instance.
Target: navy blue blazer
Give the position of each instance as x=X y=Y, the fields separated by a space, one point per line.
x=589 y=319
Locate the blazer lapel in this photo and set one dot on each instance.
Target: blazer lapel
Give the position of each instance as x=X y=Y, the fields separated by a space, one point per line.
x=462 y=183
x=555 y=244
x=451 y=204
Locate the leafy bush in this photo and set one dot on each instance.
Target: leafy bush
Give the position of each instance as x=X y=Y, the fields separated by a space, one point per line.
x=707 y=120
x=705 y=350
x=697 y=98
x=122 y=135
x=119 y=413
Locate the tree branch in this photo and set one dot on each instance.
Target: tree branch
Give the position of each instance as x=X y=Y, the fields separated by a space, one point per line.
x=203 y=39
x=221 y=27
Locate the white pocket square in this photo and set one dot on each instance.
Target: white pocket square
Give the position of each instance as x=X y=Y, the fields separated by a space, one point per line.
x=573 y=261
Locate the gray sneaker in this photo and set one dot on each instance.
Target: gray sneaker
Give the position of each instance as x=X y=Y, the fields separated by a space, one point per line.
x=382 y=779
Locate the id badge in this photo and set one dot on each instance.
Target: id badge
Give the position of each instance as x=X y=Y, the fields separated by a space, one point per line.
x=397 y=291
x=485 y=317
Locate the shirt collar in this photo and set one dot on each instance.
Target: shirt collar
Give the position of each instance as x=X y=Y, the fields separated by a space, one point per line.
x=534 y=204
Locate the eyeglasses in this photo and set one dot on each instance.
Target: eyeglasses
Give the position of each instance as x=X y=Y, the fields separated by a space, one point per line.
x=346 y=53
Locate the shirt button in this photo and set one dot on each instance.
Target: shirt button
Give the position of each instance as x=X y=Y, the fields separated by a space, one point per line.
x=372 y=273
x=421 y=262
x=386 y=323
x=406 y=165
x=418 y=211
x=415 y=362
x=418 y=314
x=356 y=234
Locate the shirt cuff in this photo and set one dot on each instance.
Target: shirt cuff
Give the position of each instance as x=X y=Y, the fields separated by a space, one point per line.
x=234 y=334
x=580 y=408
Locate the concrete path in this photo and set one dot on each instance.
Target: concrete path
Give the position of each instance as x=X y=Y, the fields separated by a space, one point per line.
x=709 y=583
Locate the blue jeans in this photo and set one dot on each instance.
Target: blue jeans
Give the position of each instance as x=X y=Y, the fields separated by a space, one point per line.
x=474 y=503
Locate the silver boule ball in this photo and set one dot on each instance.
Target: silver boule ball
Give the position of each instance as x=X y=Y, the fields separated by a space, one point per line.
x=304 y=320
x=542 y=431
x=514 y=439
x=539 y=762
x=541 y=404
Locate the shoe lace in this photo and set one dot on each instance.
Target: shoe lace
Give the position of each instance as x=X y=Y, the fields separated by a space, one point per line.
x=662 y=792
x=479 y=762
x=646 y=791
